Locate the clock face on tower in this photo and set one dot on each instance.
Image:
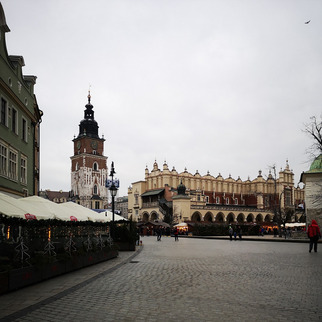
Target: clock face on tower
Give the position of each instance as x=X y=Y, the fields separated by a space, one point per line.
x=94 y=144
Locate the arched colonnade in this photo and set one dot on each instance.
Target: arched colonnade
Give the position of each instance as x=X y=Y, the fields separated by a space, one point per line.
x=218 y=217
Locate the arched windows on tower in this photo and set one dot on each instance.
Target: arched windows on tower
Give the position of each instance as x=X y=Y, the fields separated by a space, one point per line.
x=95 y=190
x=95 y=166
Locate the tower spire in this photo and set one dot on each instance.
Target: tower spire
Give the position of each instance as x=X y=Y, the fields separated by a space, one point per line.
x=88 y=126
x=89 y=95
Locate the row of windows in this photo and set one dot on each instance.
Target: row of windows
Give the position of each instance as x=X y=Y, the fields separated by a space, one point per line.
x=9 y=118
x=95 y=190
x=217 y=200
x=95 y=166
x=9 y=164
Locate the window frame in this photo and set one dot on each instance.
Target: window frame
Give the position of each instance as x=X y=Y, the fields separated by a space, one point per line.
x=13 y=165
x=14 y=120
x=4 y=112
x=23 y=169
x=3 y=165
x=24 y=129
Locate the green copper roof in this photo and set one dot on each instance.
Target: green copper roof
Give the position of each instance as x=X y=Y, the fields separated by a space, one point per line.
x=152 y=193
x=316 y=165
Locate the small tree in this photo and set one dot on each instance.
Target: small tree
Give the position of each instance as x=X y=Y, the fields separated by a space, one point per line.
x=314 y=130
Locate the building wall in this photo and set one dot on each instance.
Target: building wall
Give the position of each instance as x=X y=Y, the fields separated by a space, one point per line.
x=313 y=197
x=84 y=178
x=135 y=200
x=19 y=124
x=121 y=204
x=211 y=197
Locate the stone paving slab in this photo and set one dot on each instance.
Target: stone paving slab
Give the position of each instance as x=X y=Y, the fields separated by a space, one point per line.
x=196 y=280
x=54 y=288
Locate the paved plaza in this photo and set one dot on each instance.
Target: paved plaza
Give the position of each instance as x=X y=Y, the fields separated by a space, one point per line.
x=189 y=280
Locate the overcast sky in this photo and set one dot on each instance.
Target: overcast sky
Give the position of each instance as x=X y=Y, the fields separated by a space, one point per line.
x=218 y=85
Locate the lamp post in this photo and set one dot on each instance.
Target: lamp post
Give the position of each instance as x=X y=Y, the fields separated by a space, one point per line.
x=280 y=219
x=113 y=190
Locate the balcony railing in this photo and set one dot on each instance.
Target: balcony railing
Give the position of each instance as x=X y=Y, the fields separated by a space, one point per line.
x=150 y=204
x=226 y=207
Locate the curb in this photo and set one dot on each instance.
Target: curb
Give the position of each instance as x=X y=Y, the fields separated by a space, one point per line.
x=246 y=238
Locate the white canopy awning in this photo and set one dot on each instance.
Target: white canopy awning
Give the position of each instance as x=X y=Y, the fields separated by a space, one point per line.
x=40 y=207
x=11 y=207
x=295 y=224
x=81 y=213
x=35 y=207
x=182 y=224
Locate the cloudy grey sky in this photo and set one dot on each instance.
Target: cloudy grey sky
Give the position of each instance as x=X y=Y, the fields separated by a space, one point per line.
x=218 y=85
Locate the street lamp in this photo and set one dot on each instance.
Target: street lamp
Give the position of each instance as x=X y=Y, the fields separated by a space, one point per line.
x=113 y=189
x=280 y=216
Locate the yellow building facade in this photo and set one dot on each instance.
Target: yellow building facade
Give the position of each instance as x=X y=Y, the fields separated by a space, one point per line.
x=213 y=199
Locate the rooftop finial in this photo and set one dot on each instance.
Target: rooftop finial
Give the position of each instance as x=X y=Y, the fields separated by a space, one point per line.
x=89 y=94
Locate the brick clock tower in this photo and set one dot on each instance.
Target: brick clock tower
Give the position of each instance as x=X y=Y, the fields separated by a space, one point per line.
x=88 y=164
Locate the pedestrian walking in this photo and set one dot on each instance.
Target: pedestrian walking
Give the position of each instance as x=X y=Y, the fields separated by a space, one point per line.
x=159 y=234
x=231 y=232
x=138 y=237
x=240 y=232
x=176 y=233
x=314 y=233
x=275 y=231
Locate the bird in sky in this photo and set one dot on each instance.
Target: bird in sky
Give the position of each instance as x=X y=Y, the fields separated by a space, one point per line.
x=306 y=22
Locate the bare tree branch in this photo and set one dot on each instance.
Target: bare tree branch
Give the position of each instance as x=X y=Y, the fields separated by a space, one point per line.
x=314 y=130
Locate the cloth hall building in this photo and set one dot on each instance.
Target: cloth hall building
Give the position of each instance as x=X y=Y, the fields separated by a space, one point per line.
x=192 y=197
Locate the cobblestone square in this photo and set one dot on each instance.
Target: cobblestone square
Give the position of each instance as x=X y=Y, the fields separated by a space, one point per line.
x=197 y=280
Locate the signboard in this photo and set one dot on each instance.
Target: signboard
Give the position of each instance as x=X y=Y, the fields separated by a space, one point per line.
x=108 y=183
x=30 y=217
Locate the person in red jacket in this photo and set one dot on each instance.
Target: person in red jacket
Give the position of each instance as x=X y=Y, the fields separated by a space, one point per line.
x=313 y=232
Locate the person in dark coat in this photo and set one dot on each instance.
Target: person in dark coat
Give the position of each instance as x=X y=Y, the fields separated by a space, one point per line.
x=314 y=233
x=240 y=232
x=230 y=232
x=159 y=234
x=176 y=233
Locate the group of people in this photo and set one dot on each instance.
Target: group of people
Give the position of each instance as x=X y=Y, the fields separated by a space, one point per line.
x=234 y=234
x=313 y=233
x=175 y=233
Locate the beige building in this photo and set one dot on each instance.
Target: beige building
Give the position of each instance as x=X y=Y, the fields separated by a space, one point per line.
x=313 y=191
x=121 y=204
x=213 y=199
